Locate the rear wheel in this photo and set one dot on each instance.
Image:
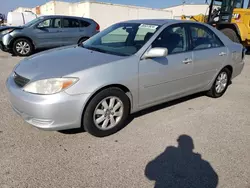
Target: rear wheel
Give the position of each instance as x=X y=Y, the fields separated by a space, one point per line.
x=22 y=47
x=82 y=40
x=220 y=84
x=230 y=33
x=106 y=113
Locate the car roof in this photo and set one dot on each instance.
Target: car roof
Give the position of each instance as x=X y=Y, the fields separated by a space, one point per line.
x=63 y=16
x=154 y=21
x=161 y=21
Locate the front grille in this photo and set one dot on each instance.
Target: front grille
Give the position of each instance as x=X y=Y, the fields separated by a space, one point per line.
x=20 y=81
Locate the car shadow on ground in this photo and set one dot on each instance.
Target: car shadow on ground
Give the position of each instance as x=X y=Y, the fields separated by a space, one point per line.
x=180 y=167
x=144 y=112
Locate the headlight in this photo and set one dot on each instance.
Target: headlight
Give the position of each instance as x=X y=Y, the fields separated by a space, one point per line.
x=50 y=86
x=6 y=31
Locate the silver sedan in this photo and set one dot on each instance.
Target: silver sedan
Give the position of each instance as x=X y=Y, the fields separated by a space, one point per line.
x=127 y=67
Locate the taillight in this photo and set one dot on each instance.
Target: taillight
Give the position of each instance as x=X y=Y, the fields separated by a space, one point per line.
x=97 y=27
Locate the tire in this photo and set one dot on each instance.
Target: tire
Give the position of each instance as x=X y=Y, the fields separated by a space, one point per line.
x=99 y=124
x=215 y=93
x=231 y=34
x=82 y=40
x=28 y=47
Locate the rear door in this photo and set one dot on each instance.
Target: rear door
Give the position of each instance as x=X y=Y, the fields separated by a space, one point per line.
x=209 y=54
x=71 y=32
x=47 y=33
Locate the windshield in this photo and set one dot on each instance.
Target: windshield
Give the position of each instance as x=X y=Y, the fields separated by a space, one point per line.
x=32 y=22
x=123 y=39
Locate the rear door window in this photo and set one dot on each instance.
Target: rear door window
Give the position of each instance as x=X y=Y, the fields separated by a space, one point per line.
x=70 y=23
x=203 y=38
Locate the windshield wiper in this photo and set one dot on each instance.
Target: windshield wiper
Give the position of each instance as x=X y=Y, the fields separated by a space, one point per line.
x=103 y=51
x=94 y=49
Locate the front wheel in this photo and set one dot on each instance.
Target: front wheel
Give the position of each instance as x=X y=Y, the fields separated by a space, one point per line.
x=106 y=113
x=220 y=84
x=22 y=47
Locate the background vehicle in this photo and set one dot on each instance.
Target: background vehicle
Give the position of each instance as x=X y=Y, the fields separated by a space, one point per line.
x=123 y=69
x=230 y=17
x=20 y=18
x=4 y=30
x=2 y=18
x=49 y=32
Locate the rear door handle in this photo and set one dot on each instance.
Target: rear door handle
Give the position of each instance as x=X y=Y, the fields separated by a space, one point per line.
x=187 y=61
x=222 y=53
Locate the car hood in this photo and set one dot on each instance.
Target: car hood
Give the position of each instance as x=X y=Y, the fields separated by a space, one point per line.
x=10 y=27
x=60 y=62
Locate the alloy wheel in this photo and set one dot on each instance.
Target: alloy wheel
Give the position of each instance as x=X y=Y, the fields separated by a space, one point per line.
x=108 y=113
x=221 y=82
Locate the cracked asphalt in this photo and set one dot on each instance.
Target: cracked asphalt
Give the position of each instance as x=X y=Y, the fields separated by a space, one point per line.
x=144 y=154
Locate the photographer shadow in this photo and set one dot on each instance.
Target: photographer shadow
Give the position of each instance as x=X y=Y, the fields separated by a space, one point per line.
x=180 y=167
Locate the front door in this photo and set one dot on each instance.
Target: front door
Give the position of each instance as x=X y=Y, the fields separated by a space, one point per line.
x=160 y=78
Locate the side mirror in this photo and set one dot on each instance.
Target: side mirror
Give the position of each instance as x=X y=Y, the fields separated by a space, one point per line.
x=156 y=52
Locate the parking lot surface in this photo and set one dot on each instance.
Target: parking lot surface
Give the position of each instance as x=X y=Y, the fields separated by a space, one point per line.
x=144 y=154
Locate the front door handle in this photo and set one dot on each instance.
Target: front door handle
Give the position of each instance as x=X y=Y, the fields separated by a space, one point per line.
x=187 y=61
x=222 y=53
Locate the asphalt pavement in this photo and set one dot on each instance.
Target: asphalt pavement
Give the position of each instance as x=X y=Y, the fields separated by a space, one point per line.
x=213 y=149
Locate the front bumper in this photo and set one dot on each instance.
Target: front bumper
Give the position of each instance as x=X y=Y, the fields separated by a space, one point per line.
x=2 y=47
x=6 y=41
x=48 y=112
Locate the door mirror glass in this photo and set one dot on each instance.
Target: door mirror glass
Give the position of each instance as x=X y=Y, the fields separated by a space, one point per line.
x=156 y=52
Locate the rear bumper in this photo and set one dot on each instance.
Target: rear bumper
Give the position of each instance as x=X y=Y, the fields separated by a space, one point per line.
x=2 y=47
x=237 y=69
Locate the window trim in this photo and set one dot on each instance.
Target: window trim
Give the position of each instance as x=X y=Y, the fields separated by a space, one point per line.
x=207 y=29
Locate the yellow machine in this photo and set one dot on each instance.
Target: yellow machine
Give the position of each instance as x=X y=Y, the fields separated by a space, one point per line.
x=230 y=17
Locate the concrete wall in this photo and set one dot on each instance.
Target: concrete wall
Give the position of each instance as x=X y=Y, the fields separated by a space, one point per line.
x=48 y=8
x=107 y=14
x=188 y=10
x=61 y=8
x=80 y=9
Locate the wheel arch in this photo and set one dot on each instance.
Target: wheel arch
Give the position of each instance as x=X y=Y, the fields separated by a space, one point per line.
x=230 y=68
x=119 y=86
x=21 y=37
